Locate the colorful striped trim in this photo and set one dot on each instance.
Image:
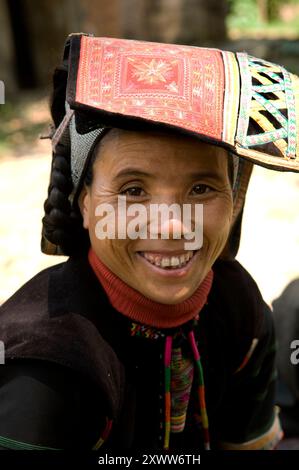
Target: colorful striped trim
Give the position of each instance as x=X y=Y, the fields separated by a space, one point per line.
x=253 y=105
x=267 y=441
x=267 y=88
x=273 y=110
x=295 y=85
x=145 y=331
x=201 y=392
x=266 y=137
x=12 y=444
x=231 y=97
x=104 y=435
x=290 y=103
x=269 y=70
x=167 y=378
x=245 y=100
x=264 y=123
x=19 y=445
x=182 y=371
x=248 y=355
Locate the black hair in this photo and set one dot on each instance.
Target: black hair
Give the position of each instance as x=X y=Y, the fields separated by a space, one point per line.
x=89 y=169
x=62 y=222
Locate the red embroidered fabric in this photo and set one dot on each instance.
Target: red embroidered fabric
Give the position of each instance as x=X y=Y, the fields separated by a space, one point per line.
x=178 y=85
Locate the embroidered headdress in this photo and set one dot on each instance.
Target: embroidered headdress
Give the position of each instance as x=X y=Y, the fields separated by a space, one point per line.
x=247 y=105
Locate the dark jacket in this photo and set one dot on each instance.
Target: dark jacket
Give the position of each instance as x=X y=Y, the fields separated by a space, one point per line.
x=286 y=319
x=72 y=365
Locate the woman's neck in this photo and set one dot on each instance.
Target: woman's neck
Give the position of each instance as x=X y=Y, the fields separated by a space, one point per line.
x=137 y=307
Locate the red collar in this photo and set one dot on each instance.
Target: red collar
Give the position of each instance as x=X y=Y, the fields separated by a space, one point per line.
x=136 y=306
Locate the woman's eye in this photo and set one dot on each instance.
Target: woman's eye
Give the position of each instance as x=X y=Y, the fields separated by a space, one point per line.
x=201 y=189
x=134 y=191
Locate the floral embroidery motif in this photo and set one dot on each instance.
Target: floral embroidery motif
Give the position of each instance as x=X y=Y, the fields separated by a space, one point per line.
x=151 y=72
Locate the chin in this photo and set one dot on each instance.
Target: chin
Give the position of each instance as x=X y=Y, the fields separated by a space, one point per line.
x=169 y=296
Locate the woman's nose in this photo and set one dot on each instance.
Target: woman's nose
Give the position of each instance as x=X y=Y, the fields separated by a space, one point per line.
x=170 y=228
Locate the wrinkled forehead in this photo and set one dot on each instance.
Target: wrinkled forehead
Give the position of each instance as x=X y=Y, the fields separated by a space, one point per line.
x=159 y=152
x=135 y=142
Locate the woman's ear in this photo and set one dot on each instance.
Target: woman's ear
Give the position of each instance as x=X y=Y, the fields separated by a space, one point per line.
x=84 y=205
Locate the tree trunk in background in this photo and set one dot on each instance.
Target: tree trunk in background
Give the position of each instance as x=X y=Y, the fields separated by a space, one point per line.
x=197 y=22
x=102 y=18
x=152 y=20
x=180 y=21
x=263 y=9
x=49 y=24
x=203 y=21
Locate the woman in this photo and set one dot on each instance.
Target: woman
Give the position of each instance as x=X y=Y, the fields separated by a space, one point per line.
x=139 y=341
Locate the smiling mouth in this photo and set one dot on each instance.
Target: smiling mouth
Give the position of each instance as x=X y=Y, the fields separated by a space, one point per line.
x=168 y=262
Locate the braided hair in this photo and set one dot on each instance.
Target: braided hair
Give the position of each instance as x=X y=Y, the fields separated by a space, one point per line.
x=63 y=231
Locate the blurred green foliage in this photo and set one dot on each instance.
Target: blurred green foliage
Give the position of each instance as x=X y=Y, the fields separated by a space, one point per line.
x=242 y=13
x=246 y=15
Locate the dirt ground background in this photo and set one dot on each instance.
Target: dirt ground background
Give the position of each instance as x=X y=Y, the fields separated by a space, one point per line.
x=270 y=238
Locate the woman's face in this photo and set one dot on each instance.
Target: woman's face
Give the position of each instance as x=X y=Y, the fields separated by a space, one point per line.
x=156 y=168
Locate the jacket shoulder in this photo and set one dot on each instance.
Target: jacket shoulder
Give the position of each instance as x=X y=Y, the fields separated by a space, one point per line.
x=39 y=323
x=244 y=316
x=33 y=292
x=237 y=290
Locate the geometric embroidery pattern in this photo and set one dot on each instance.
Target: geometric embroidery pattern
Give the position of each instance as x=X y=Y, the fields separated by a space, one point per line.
x=250 y=105
x=268 y=100
x=174 y=84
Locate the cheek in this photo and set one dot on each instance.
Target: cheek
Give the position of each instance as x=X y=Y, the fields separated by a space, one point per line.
x=217 y=218
x=113 y=251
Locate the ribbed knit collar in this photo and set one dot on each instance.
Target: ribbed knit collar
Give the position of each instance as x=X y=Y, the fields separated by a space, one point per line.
x=137 y=307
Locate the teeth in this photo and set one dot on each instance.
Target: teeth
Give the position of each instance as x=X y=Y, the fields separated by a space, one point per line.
x=165 y=262
x=168 y=261
x=174 y=261
x=183 y=258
